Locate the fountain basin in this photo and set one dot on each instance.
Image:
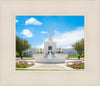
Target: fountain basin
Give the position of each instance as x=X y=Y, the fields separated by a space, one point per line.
x=50 y=60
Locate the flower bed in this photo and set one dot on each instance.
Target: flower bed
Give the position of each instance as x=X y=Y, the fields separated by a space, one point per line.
x=22 y=65
x=77 y=66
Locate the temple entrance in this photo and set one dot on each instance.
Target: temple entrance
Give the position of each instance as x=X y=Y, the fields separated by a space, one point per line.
x=49 y=47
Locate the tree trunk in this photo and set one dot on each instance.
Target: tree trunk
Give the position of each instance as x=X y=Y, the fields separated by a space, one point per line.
x=21 y=55
x=79 y=57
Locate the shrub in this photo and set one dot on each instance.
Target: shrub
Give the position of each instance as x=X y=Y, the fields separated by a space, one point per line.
x=22 y=65
x=59 y=52
x=41 y=52
x=77 y=66
x=17 y=54
x=18 y=65
x=82 y=55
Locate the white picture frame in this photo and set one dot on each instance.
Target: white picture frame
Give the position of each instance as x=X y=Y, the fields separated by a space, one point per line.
x=9 y=10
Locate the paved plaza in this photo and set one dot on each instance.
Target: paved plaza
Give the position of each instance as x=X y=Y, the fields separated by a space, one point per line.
x=49 y=66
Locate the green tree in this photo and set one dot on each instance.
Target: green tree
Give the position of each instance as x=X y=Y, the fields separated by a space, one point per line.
x=32 y=47
x=59 y=50
x=17 y=54
x=21 y=45
x=24 y=54
x=79 y=47
x=41 y=50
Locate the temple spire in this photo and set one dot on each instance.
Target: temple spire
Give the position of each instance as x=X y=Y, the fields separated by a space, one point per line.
x=50 y=32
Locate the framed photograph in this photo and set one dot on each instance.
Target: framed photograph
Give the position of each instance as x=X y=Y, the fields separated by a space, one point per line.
x=49 y=43
x=45 y=43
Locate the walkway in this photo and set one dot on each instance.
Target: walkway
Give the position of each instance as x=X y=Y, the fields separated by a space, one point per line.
x=49 y=66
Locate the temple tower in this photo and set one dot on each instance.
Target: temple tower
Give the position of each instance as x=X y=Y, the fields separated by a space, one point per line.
x=50 y=38
x=49 y=44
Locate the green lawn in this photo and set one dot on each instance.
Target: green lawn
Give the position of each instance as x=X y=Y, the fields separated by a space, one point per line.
x=46 y=70
x=26 y=57
x=74 y=56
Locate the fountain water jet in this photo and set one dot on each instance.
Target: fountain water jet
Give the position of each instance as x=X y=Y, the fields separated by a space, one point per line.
x=49 y=55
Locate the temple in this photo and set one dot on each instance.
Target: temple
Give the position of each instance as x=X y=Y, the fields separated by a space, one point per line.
x=50 y=44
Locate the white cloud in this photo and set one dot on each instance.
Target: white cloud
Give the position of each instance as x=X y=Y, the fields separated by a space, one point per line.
x=41 y=45
x=32 y=21
x=27 y=33
x=16 y=21
x=44 y=32
x=65 y=40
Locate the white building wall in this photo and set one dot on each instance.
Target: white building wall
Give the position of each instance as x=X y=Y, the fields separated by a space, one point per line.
x=30 y=52
x=49 y=43
x=70 y=51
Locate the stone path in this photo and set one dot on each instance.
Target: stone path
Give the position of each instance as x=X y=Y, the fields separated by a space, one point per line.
x=50 y=66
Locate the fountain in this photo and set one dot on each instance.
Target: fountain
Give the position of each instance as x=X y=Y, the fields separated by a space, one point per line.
x=49 y=55
x=50 y=59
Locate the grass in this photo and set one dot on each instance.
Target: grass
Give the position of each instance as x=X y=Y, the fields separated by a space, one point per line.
x=45 y=70
x=74 y=56
x=26 y=57
x=69 y=66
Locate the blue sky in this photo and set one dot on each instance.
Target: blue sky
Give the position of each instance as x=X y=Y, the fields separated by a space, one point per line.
x=65 y=30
